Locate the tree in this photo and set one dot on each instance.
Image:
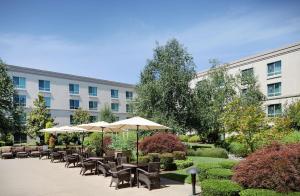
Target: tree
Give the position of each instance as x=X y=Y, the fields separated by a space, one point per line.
x=243 y=120
x=211 y=96
x=81 y=116
x=38 y=117
x=293 y=113
x=107 y=115
x=10 y=113
x=164 y=94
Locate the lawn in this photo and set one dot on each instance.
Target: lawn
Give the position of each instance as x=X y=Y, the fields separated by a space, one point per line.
x=182 y=176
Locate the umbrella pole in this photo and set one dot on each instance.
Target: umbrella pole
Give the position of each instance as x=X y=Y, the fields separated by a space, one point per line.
x=137 y=144
x=102 y=150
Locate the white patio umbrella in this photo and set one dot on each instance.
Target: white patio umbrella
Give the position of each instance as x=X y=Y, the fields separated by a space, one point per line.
x=137 y=123
x=95 y=127
x=50 y=130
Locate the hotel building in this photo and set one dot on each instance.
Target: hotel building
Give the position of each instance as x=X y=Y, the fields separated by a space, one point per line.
x=64 y=93
x=277 y=72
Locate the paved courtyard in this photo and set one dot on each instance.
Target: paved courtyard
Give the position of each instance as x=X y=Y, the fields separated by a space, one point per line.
x=34 y=177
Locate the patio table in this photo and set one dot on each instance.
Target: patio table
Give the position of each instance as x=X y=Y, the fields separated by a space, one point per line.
x=133 y=167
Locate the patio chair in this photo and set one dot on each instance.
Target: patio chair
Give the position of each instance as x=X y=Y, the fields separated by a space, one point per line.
x=108 y=158
x=150 y=178
x=71 y=159
x=56 y=156
x=32 y=151
x=6 y=152
x=118 y=175
x=103 y=168
x=20 y=152
x=121 y=160
x=44 y=151
x=86 y=165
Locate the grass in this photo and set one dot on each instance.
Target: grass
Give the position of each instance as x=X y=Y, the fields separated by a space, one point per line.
x=182 y=176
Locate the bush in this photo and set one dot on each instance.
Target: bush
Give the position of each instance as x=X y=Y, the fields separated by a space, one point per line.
x=260 y=192
x=203 y=167
x=194 y=139
x=219 y=173
x=291 y=138
x=144 y=159
x=209 y=152
x=182 y=164
x=238 y=149
x=161 y=143
x=121 y=142
x=2 y=143
x=184 y=138
x=152 y=156
x=275 y=167
x=166 y=160
x=228 y=164
x=179 y=155
x=220 y=188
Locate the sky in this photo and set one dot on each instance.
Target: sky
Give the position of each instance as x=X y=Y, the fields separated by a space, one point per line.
x=113 y=39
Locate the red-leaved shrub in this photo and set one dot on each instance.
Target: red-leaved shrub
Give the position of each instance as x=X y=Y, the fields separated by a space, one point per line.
x=106 y=143
x=161 y=143
x=275 y=167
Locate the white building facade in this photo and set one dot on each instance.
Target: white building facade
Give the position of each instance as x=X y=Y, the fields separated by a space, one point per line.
x=277 y=72
x=64 y=93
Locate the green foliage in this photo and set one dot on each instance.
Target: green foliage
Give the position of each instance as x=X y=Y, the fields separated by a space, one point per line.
x=293 y=112
x=10 y=113
x=81 y=116
x=219 y=173
x=182 y=164
x=259 y=192
x=194 y=139
x=179 y=155
x=163 y=91
x=184 y=138
x=52 y=141
x=93 y=142
x=9 y=139
x=2 y=143
x=238 y=149
x=293 y=137
x=209 y=152
x=204 y=167
x=144 y=159
x=124 y=141
x=228 y=164
x=38 y=117
x=47 y=135
x=107 y=115
x=213 y=187
x=167 y=160
x=152 y=156
x=245 y=120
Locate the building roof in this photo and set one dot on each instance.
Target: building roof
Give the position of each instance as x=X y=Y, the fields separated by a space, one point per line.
x=259 y=57
x=67 y=76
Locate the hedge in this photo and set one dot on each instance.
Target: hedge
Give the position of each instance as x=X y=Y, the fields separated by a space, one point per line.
x=144 y=159
x=238 y=149
x=219 y=173
x=265 y=192
x=152 y=156
x=214 y=187
x=209 y=152
x=182 y=164
x=194 y=139
x=179 y=155
x=167 y=160
x=228 y=164
x=184 y=138
x=203 y=167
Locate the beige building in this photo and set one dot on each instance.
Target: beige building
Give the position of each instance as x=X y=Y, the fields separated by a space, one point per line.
x=64 y=93
x=278 y=74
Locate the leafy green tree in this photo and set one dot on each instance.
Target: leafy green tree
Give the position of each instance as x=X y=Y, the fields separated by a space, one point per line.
x=38 y=117
x=107 y=115
x=243 y=120
x=293 y=113
x=163 y=91
x=211 y=96
x=81 y=116
x=10 y=113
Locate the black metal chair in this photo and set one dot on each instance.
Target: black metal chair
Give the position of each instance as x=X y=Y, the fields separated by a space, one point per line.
x=56 y=156
x=103 y=168
x=71 y=159
x=118 y=174
x=150 y=178
x=86 y=165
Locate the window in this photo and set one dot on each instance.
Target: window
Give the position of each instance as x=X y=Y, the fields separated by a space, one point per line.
x=20 y=100
x=274 y=110
x=44 y=85
x=48 y=101
x=274 y=68
x=93 y=105
x=128 y=108
x=246 y=73
x=74 y=104
x=274 y=89
x=23 y=118
x=19 y=82
x=71 y=120
x=74 y=88
x=129 y=95
x=92 y=91
x=115 y=107
x=93 y=119
x=114 y=93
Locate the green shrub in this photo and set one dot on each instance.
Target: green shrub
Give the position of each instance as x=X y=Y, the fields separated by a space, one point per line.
x=203 y=167
x=213 y=187
x=2 y=143
x=179 y=155
x=182 y=164
x=191 y=152
x=228 y=164
x=194 y=139
x=219 y=173
x=144 y=159
x=259 y=192
x=238 y=149
x=167 y=160
x=184 y=138
x=152 y=156
x=210 y=152
x=293 y=137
